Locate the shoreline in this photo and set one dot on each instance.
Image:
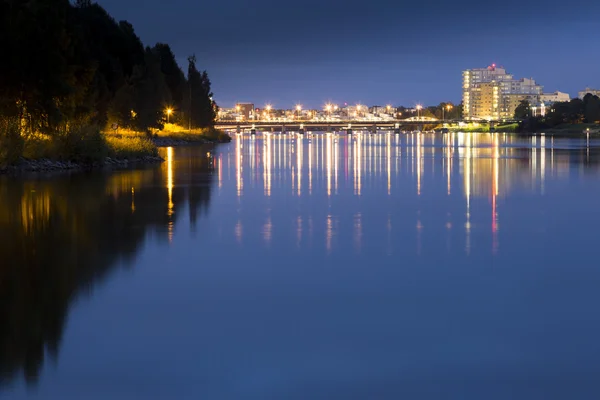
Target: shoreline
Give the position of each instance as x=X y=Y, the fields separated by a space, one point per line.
x=45 y=165
x=25 y=166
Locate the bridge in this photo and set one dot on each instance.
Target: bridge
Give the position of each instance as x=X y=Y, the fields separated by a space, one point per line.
x=331 y=125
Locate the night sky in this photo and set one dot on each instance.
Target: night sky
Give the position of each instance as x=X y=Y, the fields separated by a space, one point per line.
x=356 y=51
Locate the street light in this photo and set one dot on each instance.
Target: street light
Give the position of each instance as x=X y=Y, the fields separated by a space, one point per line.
x=298 y=108
x=388 y=107
x=328 y=108
x=169 y=111
x=419 y=107
x=358 y=108
x=447 y=107
x=268 y=108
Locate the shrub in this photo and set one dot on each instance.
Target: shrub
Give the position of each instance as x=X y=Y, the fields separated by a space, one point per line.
x=12 y=143
x=84 y=144
x=130 y=147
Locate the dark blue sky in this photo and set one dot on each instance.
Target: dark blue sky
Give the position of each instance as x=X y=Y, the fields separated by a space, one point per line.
x=403 y=53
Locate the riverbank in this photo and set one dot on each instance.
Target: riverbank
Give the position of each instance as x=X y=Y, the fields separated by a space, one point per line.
x=47 y=165
x=174 y=135
x=88 y=148
x=82 y=149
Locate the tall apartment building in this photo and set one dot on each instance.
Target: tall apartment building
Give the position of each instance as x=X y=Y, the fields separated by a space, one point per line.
x=491 y=93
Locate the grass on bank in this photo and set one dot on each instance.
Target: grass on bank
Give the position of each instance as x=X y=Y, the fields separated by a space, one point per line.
x=84 y=145
x=177 y=132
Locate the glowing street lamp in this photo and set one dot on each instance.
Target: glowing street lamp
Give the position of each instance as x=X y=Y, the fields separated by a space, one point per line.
x=268 y=108
x=168 y=111
x=298 y=109
x=419 y=107
x=447 y=107
x=328 y=108
x=388 y=108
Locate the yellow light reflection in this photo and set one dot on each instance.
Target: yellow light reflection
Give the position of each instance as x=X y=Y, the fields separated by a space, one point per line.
x=170 y=205
x=467 y=173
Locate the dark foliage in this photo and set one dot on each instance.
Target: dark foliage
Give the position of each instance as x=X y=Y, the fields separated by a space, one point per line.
x=69 y=64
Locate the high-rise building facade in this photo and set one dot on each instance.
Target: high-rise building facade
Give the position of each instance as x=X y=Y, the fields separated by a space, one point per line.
x=490 y=93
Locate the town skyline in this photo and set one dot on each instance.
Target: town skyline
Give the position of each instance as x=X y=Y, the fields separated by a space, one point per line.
x=349 y=51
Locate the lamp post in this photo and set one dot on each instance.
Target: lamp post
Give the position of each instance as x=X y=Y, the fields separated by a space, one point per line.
x=419 y=107
x=169 y=111
x=268 y=108
x=298 y=109
x=446 y=107
x=328 y=108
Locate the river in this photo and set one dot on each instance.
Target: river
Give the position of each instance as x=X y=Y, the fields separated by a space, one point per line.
x=458 y=266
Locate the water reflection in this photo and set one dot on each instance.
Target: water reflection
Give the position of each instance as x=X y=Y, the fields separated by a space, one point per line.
x=472 y=166
x=60 y=237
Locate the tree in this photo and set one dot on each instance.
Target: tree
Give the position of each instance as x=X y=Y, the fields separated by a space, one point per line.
x=523 y=110
x=591 y=108
x=201 y=107
x=174 y=77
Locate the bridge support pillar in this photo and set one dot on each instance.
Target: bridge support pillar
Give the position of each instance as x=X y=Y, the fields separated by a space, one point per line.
x=397 y=129
x=253 y=130
x=283 y=129
x=492 y=126
x=301 y=130
x=238 y=129
x=374 y=129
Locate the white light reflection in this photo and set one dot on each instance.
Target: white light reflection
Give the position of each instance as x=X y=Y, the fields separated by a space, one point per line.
x=238 y=160
x=328 y=163
x=299 y=159
x=267 y=165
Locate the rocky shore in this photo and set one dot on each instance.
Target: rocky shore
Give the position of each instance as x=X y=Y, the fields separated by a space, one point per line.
x=45 y=165
x=168 y=142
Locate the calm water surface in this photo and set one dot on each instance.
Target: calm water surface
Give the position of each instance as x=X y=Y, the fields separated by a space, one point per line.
x=462 y=266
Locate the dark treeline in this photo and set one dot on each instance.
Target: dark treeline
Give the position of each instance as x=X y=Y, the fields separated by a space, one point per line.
x=576 y=111
x=67 y=65
x=60 y=238
x=441 y=111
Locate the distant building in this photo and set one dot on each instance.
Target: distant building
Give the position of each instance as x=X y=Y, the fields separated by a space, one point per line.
x=491 y=93
x=556 y=97
x=245 y=110
x=382 y=110
x=539 y=109
x=595 y=92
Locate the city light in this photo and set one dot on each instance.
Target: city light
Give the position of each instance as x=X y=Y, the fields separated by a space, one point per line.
x=168 y=111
